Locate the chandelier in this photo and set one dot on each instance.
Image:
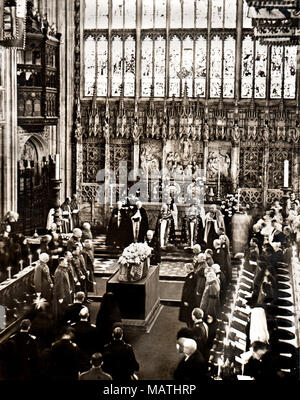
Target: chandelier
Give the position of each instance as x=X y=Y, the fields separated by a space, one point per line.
x=275 y=22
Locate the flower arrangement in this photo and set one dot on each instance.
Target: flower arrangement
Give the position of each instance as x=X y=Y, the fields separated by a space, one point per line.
x=135 y=253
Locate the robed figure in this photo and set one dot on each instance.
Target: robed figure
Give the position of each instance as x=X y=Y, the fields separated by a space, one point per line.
x=139 y=221
x=67 y=215
x=214 y=226
x=119 y=231
x=163 y=226
x=241 y=223
x=193 y=225
x=152 y=242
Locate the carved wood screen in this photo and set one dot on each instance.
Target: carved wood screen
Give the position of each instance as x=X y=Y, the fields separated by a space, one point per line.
x=279 y=152
x=93 y=159
x=251 y=165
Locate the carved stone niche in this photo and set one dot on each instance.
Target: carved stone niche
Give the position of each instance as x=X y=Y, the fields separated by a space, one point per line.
x=34 y=145
x=218 y=159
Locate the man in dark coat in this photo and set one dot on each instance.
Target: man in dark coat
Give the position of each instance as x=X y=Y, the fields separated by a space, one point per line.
x=192 y=368
x=95 y=373
x=24 y=354
x=200 y=331
x=188 y=298
x=61 y=290
x=75 y=211
x=71 y=314
x=119 y=231
x=119 y=359
x=85 y=336
x=75 y=239
x=153 y=243
x=140 y=223
x=88 y=254
x=66 y=358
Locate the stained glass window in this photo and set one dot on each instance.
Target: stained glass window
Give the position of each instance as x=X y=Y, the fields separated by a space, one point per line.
x=215 y=67
x=247 y=68
x=260 y=70
x=159 y=67
x=174 y=67
x=102 y=67
x=147 y=14
x=247 y=22
x=117 y=65
x=175 y=14
x=276 y=72
x=228 y=67
x=130 y=14
x=230 y=14
x=147 y=72
x=187 y=64
x=89 y=65
x=117 y=14
x=129 y=67
x=290 y=56
x=160 y=13
x=188 y=14
x=217 y=14
x=201 y=13
x=102 y=14
x=200 y=66
x=90 y=14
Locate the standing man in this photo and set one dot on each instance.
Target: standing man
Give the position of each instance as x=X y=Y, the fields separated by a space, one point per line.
x=119 y=358
x=42 y=280
x=75 y=240
x=214 y=223
x=62 y=290
x=75 y=211
x=119 y=231
x=140 y=223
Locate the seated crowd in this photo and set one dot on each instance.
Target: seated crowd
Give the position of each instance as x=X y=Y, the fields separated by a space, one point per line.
x=58 y=342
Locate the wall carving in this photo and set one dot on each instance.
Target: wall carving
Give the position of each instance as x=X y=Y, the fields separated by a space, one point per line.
x=183 y=155
x=151 y=156
x=218 y=158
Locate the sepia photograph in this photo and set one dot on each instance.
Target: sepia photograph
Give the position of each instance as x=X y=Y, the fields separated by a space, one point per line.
x=149 y=195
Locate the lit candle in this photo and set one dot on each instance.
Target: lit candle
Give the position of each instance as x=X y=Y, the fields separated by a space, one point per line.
x=219 y=177
x=243 y=367
x=30 y=259
x=9 y=272
x=21 y=265
x=286 y=174
x=57 y=167
x=219 y=366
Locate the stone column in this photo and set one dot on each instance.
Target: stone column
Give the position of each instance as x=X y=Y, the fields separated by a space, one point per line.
x=234 y=169
x=9 y=139
x=238 y=47
x=265 y=173
x=295 y=170
x=136 y=158
x=107 y=175
x=205 y=156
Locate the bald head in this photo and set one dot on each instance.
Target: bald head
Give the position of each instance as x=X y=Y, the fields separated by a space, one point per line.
x=84 y=314
x=186 y=346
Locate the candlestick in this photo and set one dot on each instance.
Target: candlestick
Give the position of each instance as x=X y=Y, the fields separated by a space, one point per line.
x=21 y=265
x=30 y=259
x=57 y=167
x=286 y=173
x=219 y=180
x=9 y=272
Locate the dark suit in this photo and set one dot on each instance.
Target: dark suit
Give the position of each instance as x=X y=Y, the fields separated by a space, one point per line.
x=72 y=313
x=24 y=354
x=119 y=360
x=188 y=296
x=192 y=370
x=95 y=374
x=66 y=360
x=86 y=337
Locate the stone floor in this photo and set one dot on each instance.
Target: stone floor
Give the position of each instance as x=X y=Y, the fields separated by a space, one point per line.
x=172 y=265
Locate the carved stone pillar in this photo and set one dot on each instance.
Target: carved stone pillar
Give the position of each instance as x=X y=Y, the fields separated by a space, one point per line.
x=136 y=158
x=295 y=170
x=235 y=163
x=107 y=172
x=265 y=173
x=8 y=137
x=205 y=157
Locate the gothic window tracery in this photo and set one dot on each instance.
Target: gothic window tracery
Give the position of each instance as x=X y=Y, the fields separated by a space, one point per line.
x=183 y=57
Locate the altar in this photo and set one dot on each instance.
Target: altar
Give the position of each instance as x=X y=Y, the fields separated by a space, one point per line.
x=139 y=301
